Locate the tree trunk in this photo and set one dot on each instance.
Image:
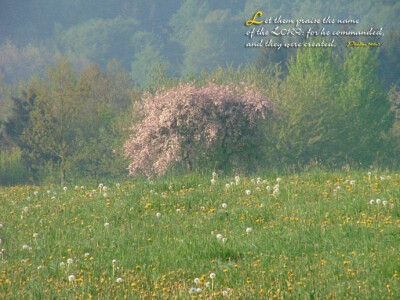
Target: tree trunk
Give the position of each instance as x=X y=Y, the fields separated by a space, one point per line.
x=62 y=175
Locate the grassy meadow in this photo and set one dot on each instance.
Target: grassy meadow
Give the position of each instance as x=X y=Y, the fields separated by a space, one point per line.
x=316 y=235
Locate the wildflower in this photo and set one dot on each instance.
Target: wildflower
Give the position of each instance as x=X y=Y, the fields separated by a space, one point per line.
x=76 y=188
x=178 y=210
x=71 y=278
x=382 y=178
x=391 y=205
x=105 y=189
x=29 y=198
x=212 y=181
x=106 y=224
x=372 y=201
x=48 y=191
x=170 y=187
x=158 y=215
x=224 y=240
x=53 y=198
x=212 y=275
x=248 y=192
x=65 y=188
x=278 y=179
x=36 y=193
x=219 y=236
x=214 y=174
x=192 y=290
x=117 y=185
x=40 y=267
x=258 y=180
x=196 y=280
x=114 y=261
x=105 y=195
x=26 y=209
x=352 y=182
x=384 y=202
x=227 y=186
x=62 y=264
x=82 y=187
x=87 y=254
x=224 y=293
x=268 y=188
x=208 y=284
x=199 y=290
x=119 y=280
x=70 y=261
x=378 y=201
x=101 y=186
x=248 y=230
x=25 y=247
x=253 y=181
x=224 y=205
x=237 y=179
x=35 y=235
x=1 y=226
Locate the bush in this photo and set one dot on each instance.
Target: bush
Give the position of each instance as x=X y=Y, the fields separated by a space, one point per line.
x=12 y=169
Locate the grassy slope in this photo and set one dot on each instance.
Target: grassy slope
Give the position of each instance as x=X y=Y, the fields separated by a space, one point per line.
x=306 y=242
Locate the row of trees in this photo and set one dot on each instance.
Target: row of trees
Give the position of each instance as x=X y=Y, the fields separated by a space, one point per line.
x=326 y=109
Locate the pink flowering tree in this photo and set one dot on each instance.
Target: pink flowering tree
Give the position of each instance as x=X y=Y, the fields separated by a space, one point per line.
x=187 y=124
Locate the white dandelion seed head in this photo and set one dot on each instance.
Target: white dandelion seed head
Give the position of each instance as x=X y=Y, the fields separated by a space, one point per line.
x=372 y=201
x=378 y=201
x=384 y=202
x=36 y=193
x=101 y=185
x=248 y=192
x=278 y=179
x=214 y=174
x=35 y=235
x=114 y=261
x=178 y=210
x=268 y=188
x=87 y=254
x=82 y=187
x=224 y=240
x=219 y=236
x=64 y=188
x=48 y=191
x=119 y=280
x=212 y=275
x=224 y=293
x=62 y=264
x=76 y=188
x=158 y=215
x=249 y=229
x=26 y=209
x=70 y=261
x=253 y=180
x=106 y=224
x=228 y=185
x=224 y=205
x=1 y=226
x=105 y=195
x=71 y=278
x=208 y=284
x=199 y=290
x=25 y=247
x=192 y=290
x=213 y=181
x=118 y=185
x=196 y=280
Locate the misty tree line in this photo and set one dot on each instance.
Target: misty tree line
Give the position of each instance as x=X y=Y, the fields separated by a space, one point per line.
x=324 y=109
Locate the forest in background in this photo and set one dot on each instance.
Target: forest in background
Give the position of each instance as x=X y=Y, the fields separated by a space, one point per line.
x=108 y=55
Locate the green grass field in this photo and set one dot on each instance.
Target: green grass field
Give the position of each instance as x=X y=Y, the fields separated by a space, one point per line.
x=315 y=235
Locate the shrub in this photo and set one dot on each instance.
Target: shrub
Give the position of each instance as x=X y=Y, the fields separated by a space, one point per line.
x=12 y=169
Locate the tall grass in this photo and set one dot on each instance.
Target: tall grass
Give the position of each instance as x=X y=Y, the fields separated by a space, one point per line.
x=312 y=235
x=12 y=169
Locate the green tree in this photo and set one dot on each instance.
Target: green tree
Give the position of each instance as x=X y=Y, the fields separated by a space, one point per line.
x=368 y=115
x=54 y=134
